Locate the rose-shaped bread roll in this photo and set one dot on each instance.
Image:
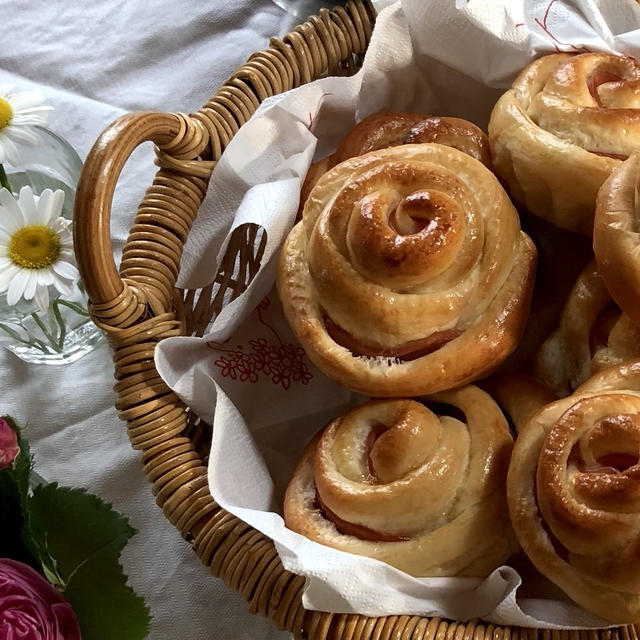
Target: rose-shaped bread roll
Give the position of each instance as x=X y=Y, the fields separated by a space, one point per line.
x=562 y=256
x=574 y=493
x=615 y=236
x=518 y=395
x=390 y=129
x=408 y=273
x=565 y=124
x=425 y=493
x=383 y=130
x=592 y=335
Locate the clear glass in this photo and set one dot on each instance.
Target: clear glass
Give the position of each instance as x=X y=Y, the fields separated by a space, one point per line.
x=64 y=333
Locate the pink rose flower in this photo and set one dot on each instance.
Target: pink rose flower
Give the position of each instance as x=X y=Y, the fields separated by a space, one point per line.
x=9 y=448
x=30 y=608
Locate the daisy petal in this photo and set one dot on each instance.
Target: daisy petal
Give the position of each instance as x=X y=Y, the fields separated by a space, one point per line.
x=30 y=287
x=11 y=218
x=6 y=276
x=63 y=286
x=16 y=287
x=52 y=205
x=41 y=297
x=23 y=134
x=21 y=100
x=45 y=277
x=8 y=150
x=60 y=225
x=27 y=203
x=36 y=117
x=65 y=270
x=66 y=254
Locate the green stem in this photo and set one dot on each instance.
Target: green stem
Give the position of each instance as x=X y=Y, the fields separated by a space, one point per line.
x=62 y=326
x=4 y=181
x=34 y=342
x=48 y=336
x=55 y=334
x=72 y=305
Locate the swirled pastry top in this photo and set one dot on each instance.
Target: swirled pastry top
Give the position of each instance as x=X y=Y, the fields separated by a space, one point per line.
x=616 y=235
x=592 y=335
x=566 y=122
x=407 y=259
x=389 y=129
x=574 y=493
x=393 y=480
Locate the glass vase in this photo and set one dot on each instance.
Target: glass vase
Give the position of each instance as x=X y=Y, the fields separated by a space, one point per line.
x=64 y=332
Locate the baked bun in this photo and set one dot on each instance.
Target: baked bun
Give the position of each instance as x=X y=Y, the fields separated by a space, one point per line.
x=390 y=129
x=518 y=395
x=615 y=236
x=394 y=481
x=592 y=335
x=565 y=124
x=408 y=273
x=574 y=493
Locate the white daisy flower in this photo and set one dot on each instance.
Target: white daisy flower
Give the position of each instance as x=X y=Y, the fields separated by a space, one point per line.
x=20 y=113
x=36 y=247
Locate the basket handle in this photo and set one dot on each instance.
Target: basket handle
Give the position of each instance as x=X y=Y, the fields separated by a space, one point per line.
x=94 y=197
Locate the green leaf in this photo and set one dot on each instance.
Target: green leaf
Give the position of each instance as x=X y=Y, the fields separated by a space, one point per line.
x=32 y=541
x=85 y=536
x=4 y=181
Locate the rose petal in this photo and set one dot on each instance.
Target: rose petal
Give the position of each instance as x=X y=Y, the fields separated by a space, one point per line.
x=8 y=444
x=30 y=607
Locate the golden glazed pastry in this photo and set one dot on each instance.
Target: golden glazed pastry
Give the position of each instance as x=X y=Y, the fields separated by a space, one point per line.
x=425 y=493
x=390 y=129
x=622 y=344
x=615 y=236
x=562 y=255
x=408 y=273
x=565 y=124
x=592 y=335
x=574 y=493
x=518 y=395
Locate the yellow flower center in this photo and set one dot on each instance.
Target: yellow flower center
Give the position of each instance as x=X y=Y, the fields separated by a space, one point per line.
x=34 y=247
x=6 y=113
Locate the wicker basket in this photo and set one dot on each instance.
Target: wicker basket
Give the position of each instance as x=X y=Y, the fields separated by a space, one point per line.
x=139 y=305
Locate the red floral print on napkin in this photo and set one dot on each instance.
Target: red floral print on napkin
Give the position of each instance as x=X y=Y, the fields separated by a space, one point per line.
x=283 y=363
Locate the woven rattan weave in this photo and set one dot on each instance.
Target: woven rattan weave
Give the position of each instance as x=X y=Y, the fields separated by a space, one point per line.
x=139 y=305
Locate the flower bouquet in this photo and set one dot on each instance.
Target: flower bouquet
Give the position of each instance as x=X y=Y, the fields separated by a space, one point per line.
x=43 y=314
x=60 y=576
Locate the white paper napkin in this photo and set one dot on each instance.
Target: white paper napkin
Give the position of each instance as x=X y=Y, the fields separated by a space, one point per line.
x=249 y=378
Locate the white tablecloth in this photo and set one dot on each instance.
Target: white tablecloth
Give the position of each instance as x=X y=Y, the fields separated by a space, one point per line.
x=96 y=61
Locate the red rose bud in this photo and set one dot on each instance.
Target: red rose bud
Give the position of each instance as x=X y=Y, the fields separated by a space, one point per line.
x=9 y=448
